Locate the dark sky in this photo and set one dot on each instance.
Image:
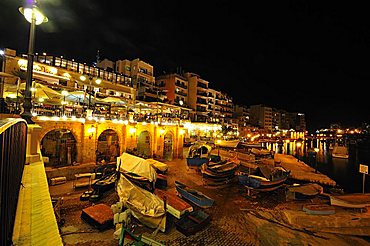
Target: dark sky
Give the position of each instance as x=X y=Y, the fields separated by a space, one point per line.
x=302 y=56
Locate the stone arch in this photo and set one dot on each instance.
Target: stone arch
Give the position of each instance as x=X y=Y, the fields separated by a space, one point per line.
x=144 y=147
x=168 y=142
x=108 y=147
x=60 y=148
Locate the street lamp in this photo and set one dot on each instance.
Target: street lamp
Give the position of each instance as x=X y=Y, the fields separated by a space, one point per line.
x=35 y=17
x=298 y=146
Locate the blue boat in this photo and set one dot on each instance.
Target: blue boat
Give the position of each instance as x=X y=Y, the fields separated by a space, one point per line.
x=266 y=179
x=193 y=196
x=198 y=155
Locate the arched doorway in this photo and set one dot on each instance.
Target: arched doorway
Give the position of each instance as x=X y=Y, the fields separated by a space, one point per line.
x=143 y=145
x=59 y=146
x=108 y=147
x=167 y=147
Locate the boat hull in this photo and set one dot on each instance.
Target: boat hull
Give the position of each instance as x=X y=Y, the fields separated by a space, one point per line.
x=193 y=196
x=193 y=222
x=319 y=209
x=357 y=200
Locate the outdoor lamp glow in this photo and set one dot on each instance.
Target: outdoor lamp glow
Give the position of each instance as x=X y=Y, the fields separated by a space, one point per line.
x=98 y=81
x=33 y=12
x=299 y=144
x=65 y=93
x=316 y=150
x=82 y=78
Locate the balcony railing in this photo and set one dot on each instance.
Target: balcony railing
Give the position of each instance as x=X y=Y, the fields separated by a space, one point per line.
x=13 y=141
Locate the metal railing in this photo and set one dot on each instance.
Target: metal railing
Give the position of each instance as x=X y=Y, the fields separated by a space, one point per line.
x=13 y=142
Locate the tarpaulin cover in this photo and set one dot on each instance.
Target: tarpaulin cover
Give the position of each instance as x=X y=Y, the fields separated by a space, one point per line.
x=131 y=163
x=145 y=206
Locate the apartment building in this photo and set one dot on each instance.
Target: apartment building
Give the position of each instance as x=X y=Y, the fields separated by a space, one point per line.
x=261 y=116
x=197 y=96
x=176 y=88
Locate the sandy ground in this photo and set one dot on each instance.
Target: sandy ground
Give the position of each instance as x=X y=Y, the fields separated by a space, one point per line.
x=236 y=218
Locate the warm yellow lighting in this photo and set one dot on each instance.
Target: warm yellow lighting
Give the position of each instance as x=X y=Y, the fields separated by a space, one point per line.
x=299 y=145
x=98 y=81
x=132 y=130
x=53 y=70
x=41 y=99
x=64 y=93
x=66 y=75
x=181 y=132
x=316 y=150
x=92 y=129
x=161 y=131
x=35 y=13
x=82 y=78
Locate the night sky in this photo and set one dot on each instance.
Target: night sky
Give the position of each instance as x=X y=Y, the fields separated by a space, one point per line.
x=302 y=56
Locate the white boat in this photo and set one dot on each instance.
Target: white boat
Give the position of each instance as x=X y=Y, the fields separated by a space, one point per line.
x=340 y=152
x=228 y=143
x=354 y=200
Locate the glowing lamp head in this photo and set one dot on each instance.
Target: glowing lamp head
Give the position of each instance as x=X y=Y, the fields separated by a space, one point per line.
x=32 y=12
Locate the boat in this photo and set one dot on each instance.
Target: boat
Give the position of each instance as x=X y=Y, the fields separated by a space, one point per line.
x=175 y=205
x=139 y=180
x=193 y=222
x=139 y=171
x=251 y=144
x=340 y=151
x=232 y=143
x=198 y=154
x=193 y=196
x=104 y=183
x=319 y=209
x=145 y=206
x=353 y=200
x=303 y=191
x=265 y=178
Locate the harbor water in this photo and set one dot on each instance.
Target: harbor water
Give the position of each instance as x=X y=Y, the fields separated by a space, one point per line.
x=346 y=172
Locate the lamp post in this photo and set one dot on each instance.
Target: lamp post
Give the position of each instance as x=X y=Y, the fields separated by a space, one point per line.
x=35 y=17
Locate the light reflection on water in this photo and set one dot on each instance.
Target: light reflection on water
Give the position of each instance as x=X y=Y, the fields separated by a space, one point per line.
x=344 y=171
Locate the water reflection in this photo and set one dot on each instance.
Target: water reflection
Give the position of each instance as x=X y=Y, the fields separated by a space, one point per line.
x=344 y=171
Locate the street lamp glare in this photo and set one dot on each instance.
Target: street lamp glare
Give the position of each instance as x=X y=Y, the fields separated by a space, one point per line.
x=30 y=12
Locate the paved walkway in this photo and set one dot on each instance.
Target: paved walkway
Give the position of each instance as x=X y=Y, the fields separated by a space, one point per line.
x=35 y=222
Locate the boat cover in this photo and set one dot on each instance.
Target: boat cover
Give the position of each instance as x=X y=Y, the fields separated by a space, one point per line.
x=131 y=163
x=158 y=165
x=145 y=206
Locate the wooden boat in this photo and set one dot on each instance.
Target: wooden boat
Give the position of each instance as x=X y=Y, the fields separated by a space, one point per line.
x=193 y=196
x=225 y=167
x=354 y=200
x=340 y=152
x=105 y=183
x=198 y=155
x=228 y=143
x=320 y=209
x=175 y=205
x=193 y=222
x=303 y=191
x=139 y=180
x=161 y=181
x=266 y=180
